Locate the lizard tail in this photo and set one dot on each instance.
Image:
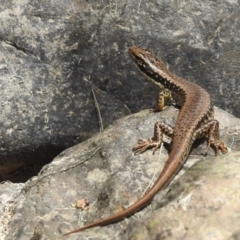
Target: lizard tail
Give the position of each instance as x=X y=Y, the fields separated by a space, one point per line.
x=163 y=180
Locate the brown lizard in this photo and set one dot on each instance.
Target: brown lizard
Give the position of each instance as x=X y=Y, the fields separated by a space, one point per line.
x=195 y=120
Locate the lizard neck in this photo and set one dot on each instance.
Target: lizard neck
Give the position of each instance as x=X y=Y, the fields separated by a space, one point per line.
x=195 y=101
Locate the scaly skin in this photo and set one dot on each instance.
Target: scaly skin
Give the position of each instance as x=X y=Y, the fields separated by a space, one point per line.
x=195 y=120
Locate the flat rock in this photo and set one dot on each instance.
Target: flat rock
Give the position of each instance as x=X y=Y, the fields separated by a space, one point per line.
x=198 y=204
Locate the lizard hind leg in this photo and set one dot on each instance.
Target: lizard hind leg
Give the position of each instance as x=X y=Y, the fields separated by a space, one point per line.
x=211 y=128
x=155 y=141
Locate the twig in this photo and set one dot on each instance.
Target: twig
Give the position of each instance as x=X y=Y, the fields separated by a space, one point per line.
x=98 y=112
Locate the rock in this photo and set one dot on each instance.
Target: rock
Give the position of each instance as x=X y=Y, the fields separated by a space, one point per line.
x=104 y=171
x=53 y=53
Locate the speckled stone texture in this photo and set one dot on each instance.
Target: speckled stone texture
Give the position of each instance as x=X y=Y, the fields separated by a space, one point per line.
x=199 y=204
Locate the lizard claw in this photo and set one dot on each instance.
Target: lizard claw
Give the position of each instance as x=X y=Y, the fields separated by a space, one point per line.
x=144 y=144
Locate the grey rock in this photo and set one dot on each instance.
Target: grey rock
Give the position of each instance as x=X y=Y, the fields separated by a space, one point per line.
x=104 y=171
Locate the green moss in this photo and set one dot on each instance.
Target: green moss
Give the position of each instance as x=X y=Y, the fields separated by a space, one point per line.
x=152 y=224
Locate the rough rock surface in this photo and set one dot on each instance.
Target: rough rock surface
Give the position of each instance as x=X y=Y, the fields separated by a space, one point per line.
x=103 y=170
x=53 y=53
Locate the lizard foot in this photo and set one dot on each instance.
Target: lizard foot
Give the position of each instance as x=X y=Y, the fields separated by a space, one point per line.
x=218 y=146
x=144 y=144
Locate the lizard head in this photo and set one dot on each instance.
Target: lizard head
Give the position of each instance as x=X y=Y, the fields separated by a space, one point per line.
x=148 y=64
x=139 y=55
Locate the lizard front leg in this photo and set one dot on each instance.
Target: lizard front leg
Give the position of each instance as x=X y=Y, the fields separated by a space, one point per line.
x=155 y=141
x=211 y=128
x=159 y=128
x=162 y=96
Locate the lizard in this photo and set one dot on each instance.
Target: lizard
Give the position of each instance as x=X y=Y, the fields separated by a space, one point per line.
x=195 y=120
